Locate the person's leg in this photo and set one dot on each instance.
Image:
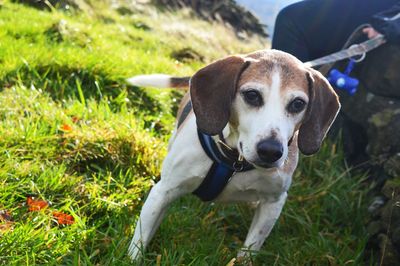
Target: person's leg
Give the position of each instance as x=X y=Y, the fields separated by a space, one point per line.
x=291 y=27
x=288 y=36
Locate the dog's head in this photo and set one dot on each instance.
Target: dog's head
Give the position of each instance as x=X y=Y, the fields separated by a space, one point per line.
x=267 y=97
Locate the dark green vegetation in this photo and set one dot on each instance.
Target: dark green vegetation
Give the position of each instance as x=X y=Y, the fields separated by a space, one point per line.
x=73 y=134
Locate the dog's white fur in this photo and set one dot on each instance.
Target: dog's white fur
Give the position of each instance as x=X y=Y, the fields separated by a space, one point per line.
x=186 y=164
x=153 y=80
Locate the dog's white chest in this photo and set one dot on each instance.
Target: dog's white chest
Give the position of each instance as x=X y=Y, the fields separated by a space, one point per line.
x=255 y=185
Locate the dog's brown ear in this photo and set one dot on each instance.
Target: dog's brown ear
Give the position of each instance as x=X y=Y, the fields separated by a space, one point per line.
x=322 y=110
x=212 y=90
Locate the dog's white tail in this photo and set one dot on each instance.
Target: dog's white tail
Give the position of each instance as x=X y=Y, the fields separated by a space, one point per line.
x=159 y=81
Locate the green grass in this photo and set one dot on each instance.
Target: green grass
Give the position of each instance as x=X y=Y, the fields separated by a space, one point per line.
x=72 y=133
x=321 y=224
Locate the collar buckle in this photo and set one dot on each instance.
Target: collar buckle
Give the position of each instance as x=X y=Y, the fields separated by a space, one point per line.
x=238 y=165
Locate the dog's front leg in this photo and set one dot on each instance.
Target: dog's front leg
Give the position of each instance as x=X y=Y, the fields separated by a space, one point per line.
x=267 y=213
x=153 y=210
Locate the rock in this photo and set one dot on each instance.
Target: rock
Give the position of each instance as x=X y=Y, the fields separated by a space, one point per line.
x=375 y=108
x=375 y=228
x=392 y=166
x=391 y=212
x=381 y=70
x=388 y=255
x=391 y=189
x=396 y=237
x=376 y=205
x=60 y=4
x=384 y=229
x=370 y=122
x=383 y=126
x=227 y=11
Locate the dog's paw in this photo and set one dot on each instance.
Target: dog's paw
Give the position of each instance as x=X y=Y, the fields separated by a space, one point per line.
x=244 y=257
x=135 y=251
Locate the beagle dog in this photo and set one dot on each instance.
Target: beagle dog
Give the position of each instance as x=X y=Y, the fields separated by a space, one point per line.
x=266 y=106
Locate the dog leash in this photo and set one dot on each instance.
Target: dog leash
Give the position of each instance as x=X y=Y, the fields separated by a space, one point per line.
x=352 y=51
x=339 y=79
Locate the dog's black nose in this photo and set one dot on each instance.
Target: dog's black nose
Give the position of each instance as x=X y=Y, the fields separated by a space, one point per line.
x=270 y=150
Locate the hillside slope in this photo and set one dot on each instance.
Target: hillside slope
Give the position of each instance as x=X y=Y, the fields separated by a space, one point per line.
x=79 y=149
x=266 y=10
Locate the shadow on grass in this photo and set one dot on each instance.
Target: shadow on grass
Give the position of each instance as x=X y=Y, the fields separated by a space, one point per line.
x=112 y=155
x=61 y=83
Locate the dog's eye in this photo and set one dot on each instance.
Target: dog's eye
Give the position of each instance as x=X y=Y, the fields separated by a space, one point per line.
x=296 y=106
x=252 y=97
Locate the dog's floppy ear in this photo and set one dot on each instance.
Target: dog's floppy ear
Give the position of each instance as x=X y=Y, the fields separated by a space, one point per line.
x=212 y=90
x=322 y=110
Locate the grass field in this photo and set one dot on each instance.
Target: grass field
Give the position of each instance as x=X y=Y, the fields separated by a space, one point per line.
x=75 y=136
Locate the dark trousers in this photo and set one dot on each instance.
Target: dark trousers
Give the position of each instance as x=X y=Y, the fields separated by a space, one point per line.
x=314 y=28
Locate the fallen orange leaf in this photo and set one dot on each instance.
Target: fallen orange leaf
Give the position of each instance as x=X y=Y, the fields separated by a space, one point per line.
x=63 y=218
x=36 y=204
x=66 y=127
x=75 y=119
